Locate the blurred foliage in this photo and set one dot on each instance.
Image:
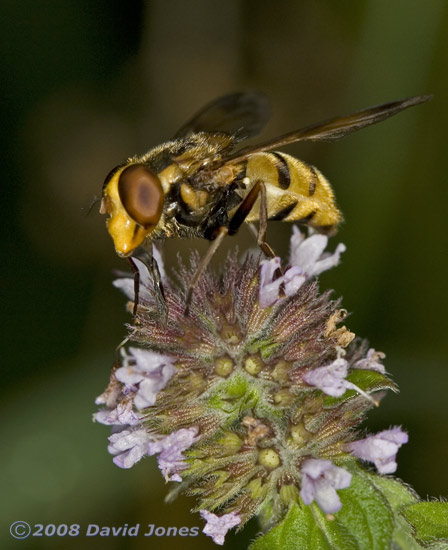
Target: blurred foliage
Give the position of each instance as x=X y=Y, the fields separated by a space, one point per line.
x=84 y=85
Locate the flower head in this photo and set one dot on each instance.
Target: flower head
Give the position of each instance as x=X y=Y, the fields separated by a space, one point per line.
x=244 y=400
x=381 y=449
x=320 y=480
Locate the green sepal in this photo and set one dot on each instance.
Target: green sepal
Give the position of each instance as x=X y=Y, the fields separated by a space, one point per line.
x=265 y=348
x=233 y=396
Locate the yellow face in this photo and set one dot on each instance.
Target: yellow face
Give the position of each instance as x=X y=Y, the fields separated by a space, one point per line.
x=133 y=199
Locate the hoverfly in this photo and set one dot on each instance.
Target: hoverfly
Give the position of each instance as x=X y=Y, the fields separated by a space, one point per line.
x=198 y=185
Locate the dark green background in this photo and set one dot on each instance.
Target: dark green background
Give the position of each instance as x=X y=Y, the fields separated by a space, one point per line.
x=86 y=84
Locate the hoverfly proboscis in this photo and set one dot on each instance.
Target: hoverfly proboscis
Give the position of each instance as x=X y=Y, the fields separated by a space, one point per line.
x=198 y=185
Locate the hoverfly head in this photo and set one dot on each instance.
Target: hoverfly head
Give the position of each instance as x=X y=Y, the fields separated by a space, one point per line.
x=133 y=199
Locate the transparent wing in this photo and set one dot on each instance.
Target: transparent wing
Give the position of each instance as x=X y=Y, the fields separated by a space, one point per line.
x=241 y=115
x=334 y=128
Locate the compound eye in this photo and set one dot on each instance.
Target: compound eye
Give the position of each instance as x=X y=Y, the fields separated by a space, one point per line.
x=141 y=194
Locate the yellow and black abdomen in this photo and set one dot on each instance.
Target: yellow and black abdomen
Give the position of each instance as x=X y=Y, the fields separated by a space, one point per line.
x=296 y=191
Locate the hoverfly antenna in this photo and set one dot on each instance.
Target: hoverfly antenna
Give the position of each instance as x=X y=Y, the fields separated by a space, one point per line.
x=111 y=173
x=95 y=200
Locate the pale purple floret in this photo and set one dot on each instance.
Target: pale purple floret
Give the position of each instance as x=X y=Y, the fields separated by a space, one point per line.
x=171 y=461
x=381 y=449
x=320 y=479
x=330 y=378
x=308 y=253
x=128 y=446
x=122 y=415
x=217 y=526
x=269 y=288
x=145 y=373
x=371 y=361
x=307 y=259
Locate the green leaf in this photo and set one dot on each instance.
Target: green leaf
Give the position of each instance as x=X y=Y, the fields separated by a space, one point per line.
x=418 y=524
x=366 y=514
x=429 y=520
x=399 y=496
x=438 y=545
x=396 y=492
x=306 y=528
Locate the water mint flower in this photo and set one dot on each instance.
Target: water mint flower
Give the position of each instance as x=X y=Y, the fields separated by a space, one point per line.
x=171 y=461
x=145 y=372
x=381 y=449
x=292 y=280
x=122 y=415
x=371 y=361
x=128 y=446
x=320 y=480
x=237 y=399
x=308 y=253
x=331 y=379
x=307 y=259
x=217 y=526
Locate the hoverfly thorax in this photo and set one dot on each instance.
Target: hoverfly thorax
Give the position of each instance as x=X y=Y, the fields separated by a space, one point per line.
x=133 y=199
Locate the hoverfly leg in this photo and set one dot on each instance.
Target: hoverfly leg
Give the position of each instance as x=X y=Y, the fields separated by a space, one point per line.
x=159 y=292
x=221 y=233
x=244 y=208
x=235 y=223
x=262 y=228
x=136 y=284
x=263 y=224
x=146 y=257
x=243 y=211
